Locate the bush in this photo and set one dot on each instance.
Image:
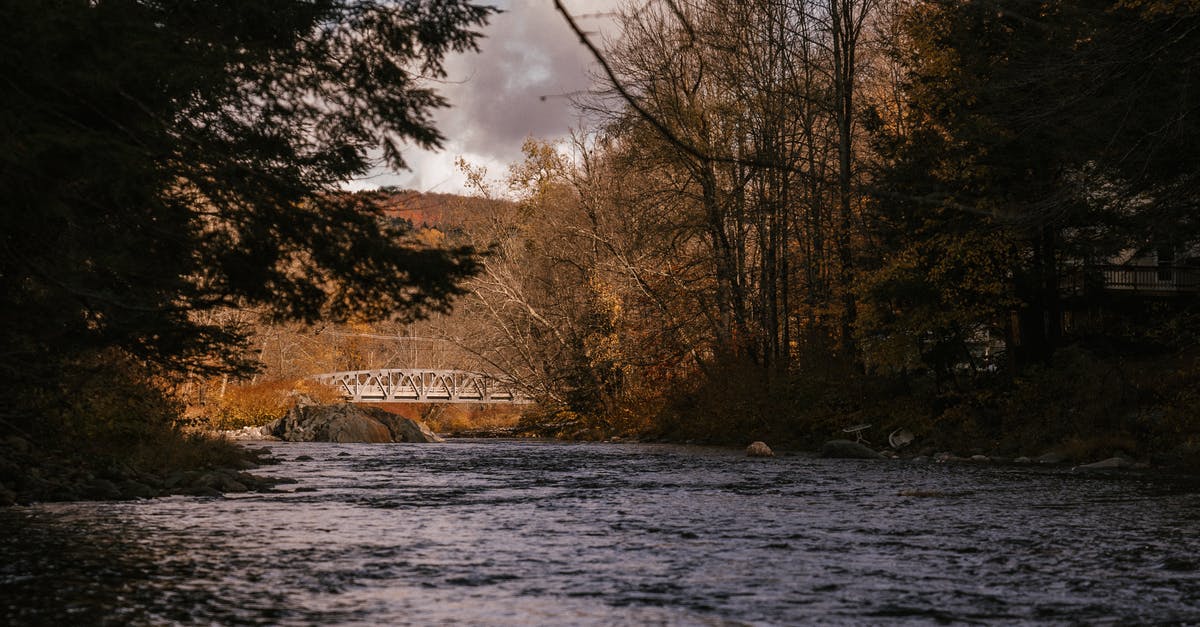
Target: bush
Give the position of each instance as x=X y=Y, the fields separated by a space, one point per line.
x=1173 y=421
x=102 y=397
x=459 y=418
x=108 y=412
x=257 y=404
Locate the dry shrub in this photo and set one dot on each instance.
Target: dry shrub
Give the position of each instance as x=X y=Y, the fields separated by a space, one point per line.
x=464 y=418
x=118 y=413
x=729 y=405
x=1172 y=424
x=635 y=420
x=554 y=422
x=1078 y=396
x=257 y=404
x=1080 y=449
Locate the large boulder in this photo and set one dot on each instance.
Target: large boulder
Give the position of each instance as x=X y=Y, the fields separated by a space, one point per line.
x=405 y=429
x=759 y=449
x=845 y=449
x=348 y=423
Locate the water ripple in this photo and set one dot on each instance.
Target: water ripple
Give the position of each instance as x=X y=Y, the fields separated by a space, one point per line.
x=515 y=533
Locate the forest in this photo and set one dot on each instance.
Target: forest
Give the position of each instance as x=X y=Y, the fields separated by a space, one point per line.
x=973 y=220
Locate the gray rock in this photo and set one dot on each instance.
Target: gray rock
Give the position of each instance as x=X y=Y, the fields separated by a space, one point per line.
x=1051 y=458
x=176 y=478
x=216 y=481
x=202 y=491
x=228 y=481
x=1022 y=460
x=845 y=449
x=206 y=480
x=100 y=490
x=233 y=485
x=249 y=434
x=348 y=423
x=1107 y=464
x=64 y=492
x=759 y=449
x=131 y=489
x=920 y=459
x=980 y=458
x=404 y=429
x=152 y=480
x=352 y=428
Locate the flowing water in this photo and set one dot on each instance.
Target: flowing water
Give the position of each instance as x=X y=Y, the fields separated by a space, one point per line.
x=516 y=533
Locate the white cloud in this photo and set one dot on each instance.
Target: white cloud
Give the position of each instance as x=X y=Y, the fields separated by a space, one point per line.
x=515 y=88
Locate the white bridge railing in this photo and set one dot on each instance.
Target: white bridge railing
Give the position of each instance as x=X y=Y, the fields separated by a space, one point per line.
x=414 y=385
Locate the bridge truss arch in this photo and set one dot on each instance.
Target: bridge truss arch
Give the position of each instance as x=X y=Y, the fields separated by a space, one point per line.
x=416 y=385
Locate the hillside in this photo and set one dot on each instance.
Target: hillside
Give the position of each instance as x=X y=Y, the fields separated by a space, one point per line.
x=440 y=211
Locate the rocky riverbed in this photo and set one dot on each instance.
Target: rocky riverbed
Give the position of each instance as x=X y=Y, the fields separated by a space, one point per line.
x=30 y=473
x=33 y=473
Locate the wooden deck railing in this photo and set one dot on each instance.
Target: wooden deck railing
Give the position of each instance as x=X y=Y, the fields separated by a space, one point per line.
x=1150 y=280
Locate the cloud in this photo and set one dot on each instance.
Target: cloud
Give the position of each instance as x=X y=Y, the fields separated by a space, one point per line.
x=515 y=88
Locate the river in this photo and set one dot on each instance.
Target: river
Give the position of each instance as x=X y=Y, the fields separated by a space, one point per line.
x=524 y=532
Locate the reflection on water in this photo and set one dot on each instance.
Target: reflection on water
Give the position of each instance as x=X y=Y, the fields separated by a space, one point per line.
x=532 y=532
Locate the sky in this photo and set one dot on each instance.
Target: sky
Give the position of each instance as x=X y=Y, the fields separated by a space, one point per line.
x=515 y=88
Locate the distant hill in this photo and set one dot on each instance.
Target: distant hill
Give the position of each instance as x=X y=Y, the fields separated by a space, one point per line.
x=440 y=211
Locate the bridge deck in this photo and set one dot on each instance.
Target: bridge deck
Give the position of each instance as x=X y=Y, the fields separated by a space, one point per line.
x=415 y=385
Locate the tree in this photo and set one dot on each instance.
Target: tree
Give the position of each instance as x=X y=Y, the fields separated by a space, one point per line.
x=161 y=159
x=1048 y=133
x=847 y=19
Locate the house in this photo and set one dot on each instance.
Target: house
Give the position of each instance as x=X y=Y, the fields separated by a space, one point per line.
x=1163 y=270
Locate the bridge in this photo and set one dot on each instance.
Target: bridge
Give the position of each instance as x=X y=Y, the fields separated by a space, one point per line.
x=415 y=385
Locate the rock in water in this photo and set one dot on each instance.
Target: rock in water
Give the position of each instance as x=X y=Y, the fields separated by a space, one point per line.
x=1051 y=458
x=404 y=429
x=249 y=434
x=846 y=449
x=1107 y=464
x=759 y=449
x=348 y=423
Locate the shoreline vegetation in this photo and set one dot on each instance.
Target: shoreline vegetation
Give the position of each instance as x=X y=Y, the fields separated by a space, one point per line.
x=151 y=450
x=209 y=464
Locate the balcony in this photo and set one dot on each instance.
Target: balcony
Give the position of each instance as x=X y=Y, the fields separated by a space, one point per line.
x=1146 y=280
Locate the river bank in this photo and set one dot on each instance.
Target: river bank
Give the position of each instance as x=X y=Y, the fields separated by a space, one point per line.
x=192 y=465
x=212 y=464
